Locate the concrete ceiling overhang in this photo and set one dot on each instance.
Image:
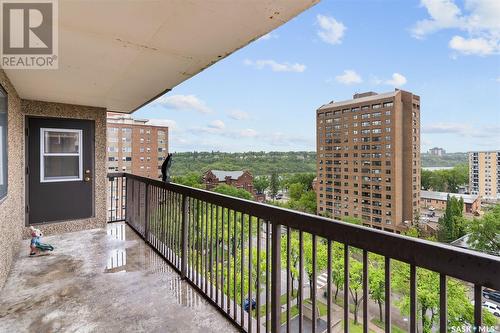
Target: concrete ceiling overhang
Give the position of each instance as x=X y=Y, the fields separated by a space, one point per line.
x=121 y=54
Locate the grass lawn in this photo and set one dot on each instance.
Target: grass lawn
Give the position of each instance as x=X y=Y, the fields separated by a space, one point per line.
x=262 y=310
x=395 y=329
x=353 y=328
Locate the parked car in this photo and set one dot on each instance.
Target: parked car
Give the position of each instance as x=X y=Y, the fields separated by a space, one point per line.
x=279 y=196
x=246 y=304
x=492 y=308
x=492 y=295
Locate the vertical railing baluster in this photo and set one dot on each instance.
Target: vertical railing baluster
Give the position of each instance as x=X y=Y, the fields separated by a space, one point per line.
x=211 y=261
x=258 y=274
x=388 y=294
x=314 y=284
x=185 y=234
x=346 y=288
x=146 y=213
x=300 y=302
x=478 y=302
x=413 y=299
x=276 y=279
x=329 y=287
x=205 y=239
x=111 y=198
x=268 y=277
x=365 y=291
x=250 y=273
x=242 y=267
x=288 y=278
x=198 y=244
x=234 y=264
x=217 y=254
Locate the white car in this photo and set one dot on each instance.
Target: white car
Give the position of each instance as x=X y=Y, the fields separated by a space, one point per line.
x=493 y=308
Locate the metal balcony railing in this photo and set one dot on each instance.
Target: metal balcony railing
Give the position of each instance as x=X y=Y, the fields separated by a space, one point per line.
x=230 y=250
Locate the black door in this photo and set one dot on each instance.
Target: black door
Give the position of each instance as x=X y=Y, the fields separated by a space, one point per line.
x=60 y=169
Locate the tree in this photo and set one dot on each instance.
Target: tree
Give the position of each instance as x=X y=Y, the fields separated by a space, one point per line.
x=484 y=233
x=295 y=191
x=274 y=184
x=376 y=280
x=233 y=191
x=321 y=258
x=294 y=255
x=261 y=184
x=352 y=220
x=452 y=223
x=337 y=267
x=356 y=285
x=191 y=179
x=447 y=180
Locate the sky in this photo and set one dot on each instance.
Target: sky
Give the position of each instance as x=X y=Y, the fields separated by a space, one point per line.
x=264 y=97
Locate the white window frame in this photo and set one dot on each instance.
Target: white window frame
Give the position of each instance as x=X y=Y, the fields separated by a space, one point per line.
x=43 y=154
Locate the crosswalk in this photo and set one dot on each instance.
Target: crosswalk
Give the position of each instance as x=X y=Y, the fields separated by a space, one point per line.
x=321 y=281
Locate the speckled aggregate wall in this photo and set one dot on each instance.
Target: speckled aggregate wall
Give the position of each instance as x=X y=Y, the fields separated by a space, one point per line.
x=11 y=207
x=12 y=218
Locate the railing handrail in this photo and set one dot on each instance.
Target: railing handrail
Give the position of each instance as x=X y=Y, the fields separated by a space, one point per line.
x=468 y=265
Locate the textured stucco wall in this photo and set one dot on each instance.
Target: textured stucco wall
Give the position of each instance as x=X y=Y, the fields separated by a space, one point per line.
x=45 y=109
x=12 y=218
x=11 y=207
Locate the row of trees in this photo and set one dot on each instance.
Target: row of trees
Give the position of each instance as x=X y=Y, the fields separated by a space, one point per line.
x=447 y=180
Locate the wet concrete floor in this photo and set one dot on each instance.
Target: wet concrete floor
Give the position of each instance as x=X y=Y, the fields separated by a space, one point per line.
x=101 y=281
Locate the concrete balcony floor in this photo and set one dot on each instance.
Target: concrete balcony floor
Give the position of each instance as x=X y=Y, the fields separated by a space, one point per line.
x=101 y=281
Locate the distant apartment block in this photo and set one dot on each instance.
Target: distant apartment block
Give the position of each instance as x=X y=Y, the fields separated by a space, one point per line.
x=135 y=146
x=436 y=151
x=238 y=179
x=368 y=159
x=484 y=174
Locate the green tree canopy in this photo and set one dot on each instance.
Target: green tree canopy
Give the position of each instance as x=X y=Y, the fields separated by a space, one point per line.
x=485 y=232
x=233 y=191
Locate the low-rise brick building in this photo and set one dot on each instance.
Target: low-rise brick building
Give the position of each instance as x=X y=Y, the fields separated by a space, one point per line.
x=239 y=179
x=437 y=200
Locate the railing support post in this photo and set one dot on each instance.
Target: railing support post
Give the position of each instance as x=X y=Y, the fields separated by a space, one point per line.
x=184 y=239
x=276 y=279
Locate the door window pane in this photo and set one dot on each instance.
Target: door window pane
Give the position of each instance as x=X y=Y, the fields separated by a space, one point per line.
x=61 y=155
x=61 y=167
x=3 y=143
x=61 y=142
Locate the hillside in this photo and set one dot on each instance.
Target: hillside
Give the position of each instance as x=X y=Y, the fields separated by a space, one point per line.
x=262 y=163
x=259 y=163
x=448 y=160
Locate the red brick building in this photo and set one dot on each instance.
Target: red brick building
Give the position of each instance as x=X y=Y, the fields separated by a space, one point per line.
x=238 y=179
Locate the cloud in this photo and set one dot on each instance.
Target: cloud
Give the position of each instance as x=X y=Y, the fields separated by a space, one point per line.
x=464 y=130
x=349 y=77
x=183 y=102
x=238 y=115
x=269 y=36
x=248 y=133
x=331 y=31
x=445 y=128
x=276 y=66
x=171 y=124
x=217 y=124
x=478 y=20
x=397 y=80
x=477 y=46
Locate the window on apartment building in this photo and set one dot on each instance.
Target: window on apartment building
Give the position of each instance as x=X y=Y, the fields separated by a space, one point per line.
x=376 y=106
x=141 y=131
x=388 y=104
x=3 y=143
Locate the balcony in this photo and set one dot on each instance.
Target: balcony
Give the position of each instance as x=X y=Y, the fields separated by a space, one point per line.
x=177 y=258
x=231 y=251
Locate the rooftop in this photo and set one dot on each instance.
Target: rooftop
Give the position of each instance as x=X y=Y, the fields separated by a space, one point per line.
x=468 y=198
x=359 y=100
x=221 y=174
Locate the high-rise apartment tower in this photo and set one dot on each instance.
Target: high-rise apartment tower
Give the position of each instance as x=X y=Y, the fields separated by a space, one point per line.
x=135 y=146
x=484 y=174
x=368 y=159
